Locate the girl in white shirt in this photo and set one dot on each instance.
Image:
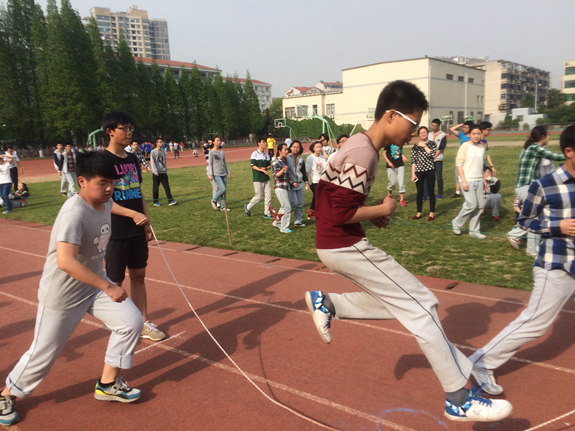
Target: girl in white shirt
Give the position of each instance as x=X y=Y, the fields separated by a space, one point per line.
x=314 y=166
x=469 y=163
x=6 y=182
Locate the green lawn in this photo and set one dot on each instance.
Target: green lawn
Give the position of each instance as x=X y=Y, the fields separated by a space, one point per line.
x=425 y=248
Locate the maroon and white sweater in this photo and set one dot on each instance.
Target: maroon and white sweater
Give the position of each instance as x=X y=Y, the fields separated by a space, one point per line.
x=341 y=190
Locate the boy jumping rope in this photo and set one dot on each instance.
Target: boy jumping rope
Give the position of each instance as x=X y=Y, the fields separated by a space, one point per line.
x=74 y=283
x=549 y=211
x=390 y=291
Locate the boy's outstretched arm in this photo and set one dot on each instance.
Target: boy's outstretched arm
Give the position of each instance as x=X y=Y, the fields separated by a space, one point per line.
x=67 y=261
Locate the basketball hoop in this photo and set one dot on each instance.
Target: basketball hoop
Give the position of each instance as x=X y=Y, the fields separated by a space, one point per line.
x=279 y=125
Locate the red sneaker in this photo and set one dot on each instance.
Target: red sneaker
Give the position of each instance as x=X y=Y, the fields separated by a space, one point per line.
x=495 y=218
x=403 y=203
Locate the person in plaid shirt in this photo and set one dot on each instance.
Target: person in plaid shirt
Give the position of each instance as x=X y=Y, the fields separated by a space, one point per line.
x=282 y=185
x=529 y=170
x=549 y=211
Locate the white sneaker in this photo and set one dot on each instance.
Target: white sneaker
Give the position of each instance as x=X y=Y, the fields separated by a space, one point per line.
x=456 y=230
x=277 y=224
x=477 y=235
x=514 y=243
x=215 y=206
x=299 y=224
x=321 y=315
x=487 y=380
x=151 y=332
x=478 y=409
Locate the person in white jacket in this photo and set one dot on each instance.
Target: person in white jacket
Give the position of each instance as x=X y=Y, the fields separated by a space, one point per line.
x=314 y=166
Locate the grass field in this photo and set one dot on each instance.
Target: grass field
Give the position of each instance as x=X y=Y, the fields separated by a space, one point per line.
x=425 y=248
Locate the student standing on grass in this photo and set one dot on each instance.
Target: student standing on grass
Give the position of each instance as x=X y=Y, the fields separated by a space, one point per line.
x=423 y=171
x=533 y=153
x=549 y=211
x=485 y=132
x=128 y=246
x=299 y=175
x=160 y=171
x=463 y=137
x=260 y=163
x=314 y=165
x=282 y=185
x=440 y=139
x=340 y=140
x=217 y=171
x=271 y=142
x=6 y=182
x=389 y=290
x=68 y=169
x=469 y=162
x=14 y=166
x=58 y=157
x=74 y=283
x=396 y=160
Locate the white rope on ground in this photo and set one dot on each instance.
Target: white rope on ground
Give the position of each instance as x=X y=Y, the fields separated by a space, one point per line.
x=551 y=421
x=300 y=415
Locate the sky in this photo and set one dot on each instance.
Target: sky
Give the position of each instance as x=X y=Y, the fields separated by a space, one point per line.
x=300 y=42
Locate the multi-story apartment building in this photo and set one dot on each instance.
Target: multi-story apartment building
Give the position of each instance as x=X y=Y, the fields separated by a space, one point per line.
x=568 y=86
x=146 y=37
x=506 y=83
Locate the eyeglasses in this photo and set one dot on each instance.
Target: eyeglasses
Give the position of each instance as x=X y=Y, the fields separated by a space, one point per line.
x=125 y=129
x=408 y=119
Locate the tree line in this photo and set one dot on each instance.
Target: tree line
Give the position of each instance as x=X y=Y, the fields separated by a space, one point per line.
x=58 y=78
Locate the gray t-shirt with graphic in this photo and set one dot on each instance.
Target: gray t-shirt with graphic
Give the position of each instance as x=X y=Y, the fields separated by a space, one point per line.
x=158 y=159
x=81 y=224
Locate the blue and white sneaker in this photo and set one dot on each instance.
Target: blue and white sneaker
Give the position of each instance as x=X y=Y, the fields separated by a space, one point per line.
x=321 y=315
x=8 y=415
x=268 y=217
x=478 y=409
x=157 y=204
x=119 y=391
x=248 y=213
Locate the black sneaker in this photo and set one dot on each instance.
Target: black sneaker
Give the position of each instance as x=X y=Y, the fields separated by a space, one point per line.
x=8 y=415
x=456 y=195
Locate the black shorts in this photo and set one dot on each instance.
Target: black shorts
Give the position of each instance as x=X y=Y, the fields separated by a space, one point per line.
x=126 y=252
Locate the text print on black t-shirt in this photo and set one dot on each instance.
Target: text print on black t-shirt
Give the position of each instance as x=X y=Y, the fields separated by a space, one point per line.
x=127 y=186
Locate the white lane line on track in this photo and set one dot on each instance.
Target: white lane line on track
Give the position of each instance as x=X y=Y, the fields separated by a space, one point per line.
x=157 y=343
x=350 y=322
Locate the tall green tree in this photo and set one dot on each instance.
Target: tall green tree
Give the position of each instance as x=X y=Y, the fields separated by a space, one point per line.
x=527 y=101
x=102 y=57
x=174 y=126
x=157 y=102
x=196 y=103
x=256 y=120
x=556 y=98
x=235 y=107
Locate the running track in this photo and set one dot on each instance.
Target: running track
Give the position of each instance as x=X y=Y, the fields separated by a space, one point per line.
x=373 y=376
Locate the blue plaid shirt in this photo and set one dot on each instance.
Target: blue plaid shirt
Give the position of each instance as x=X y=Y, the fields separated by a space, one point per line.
x=550 y=200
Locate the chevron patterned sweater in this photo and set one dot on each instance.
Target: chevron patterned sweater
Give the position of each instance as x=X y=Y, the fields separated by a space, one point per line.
x=342 y=189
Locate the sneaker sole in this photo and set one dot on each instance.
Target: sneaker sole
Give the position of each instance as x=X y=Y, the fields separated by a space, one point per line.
x=309 y=303
x=116 y=398
x=513 y=243
x=149 y=337
x=505 y=413
x=8 y=422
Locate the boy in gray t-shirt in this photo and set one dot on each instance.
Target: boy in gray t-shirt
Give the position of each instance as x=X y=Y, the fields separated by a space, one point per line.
x=74 y=283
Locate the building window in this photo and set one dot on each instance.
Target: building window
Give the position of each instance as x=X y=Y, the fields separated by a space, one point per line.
x=330 y=109
x=570 y=70
x=314 y=107
x=471 y=114
x=504 y=96
x=471 y=80
x=451 y=118
x=302 y=111
x=460 y=78
x=449 y=77
x=479 y=115
x=569 y=84
x=570 y=97
x=290 y=112
x=520 y=118
x=460 y=118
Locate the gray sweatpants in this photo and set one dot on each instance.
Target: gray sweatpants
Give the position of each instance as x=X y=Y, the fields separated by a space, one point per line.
x=69 y=179
x=396 y=176
x=262 y=189
x=54 y=328
x=296 y=200
x=551 y=289
x=516 y=233
x=472 y=208
x=392 y=292
x=285 y=209
x=493 y=202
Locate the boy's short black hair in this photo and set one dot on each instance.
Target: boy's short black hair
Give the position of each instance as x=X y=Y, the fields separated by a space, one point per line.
x=487 y=168
x=485 y=125
x=474 y=126
x=68 y=143
x=469 y=123
x=402 y=96
x=324 y=136
x=94 y=164
x=340 y=137
x=113 y=119
x=436 y=121
x=158 y=139
x=262 y=138
x=422 y=127
x=567 y=138
x=9 y=147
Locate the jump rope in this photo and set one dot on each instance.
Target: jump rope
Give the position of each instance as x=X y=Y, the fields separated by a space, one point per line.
x=289 y=409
